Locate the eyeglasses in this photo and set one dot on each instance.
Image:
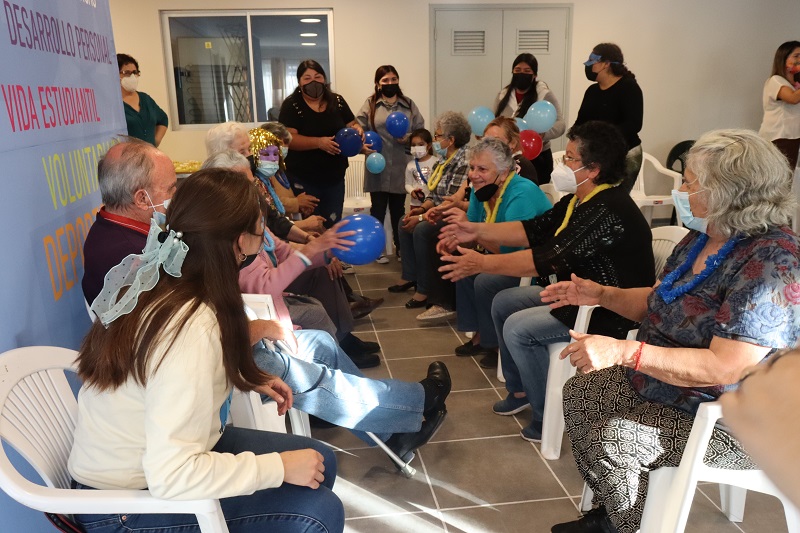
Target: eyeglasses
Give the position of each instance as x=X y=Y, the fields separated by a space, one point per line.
x=438 y=135
x=684 y=181
x=126 y=73
x=567 y=159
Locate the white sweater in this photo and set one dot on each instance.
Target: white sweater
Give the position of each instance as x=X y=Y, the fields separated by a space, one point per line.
x=160 y=436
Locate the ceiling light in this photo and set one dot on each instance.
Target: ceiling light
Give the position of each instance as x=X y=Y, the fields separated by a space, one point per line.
x=309 y=44
x=308 y=35
x=309 y=21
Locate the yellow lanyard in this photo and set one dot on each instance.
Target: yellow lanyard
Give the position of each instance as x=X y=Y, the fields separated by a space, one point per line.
x=571 y=206
x=491 y=214
x=438 y=172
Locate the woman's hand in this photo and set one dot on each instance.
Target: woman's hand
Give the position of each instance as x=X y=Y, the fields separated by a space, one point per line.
x=461 y=266
x=335 y=270
x=304 y=468
x=278 y=391
x=328 y=145
x=306 y=202
x=411 y=220
x=593 y=352
x=367 y=149
x=265 y=329
x=579 y=291
x=458 y=229
x=334 y=238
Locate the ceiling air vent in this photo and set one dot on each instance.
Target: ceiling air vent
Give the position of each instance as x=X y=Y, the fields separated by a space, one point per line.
x=533 y=41
x=469 y=42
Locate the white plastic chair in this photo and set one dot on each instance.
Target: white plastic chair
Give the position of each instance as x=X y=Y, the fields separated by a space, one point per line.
x=671 y=489
x=38 y=412
x=355 y=199
x=647 y=202
x=664 y=240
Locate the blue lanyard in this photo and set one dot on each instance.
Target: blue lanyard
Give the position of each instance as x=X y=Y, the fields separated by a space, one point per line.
x=419 y=170
x=269 y=247
x=268 y=184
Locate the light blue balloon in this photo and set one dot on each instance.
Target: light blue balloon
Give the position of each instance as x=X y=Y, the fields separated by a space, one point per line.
x=521 y=124
x=541 y=116
x=376 y=163
x=479 y=118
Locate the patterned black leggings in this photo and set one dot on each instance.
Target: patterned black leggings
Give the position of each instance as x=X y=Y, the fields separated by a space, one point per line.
x=618 y=438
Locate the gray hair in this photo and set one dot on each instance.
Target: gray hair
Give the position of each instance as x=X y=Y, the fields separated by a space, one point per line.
x=221 y=137
x=278 y=130
x=497 y=150
x=226 y=159
x=124 y=169
x=454 y=124
x=747 y=178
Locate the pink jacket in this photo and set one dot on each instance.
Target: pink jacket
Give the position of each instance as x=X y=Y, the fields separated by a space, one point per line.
x=263 y=278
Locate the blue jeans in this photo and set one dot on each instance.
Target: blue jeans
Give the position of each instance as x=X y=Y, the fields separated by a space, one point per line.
x=474 y=296
x=331 y=198
x=327 y=384
x=525 y=328
x=285 y=509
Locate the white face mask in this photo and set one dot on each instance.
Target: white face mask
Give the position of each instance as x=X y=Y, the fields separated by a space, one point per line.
x=158 y=216
x=681 y=201
x=564 y=179
x=419 y=151
x=129 y=83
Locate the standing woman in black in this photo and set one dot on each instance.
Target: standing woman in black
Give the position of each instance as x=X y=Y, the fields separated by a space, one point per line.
x=313 y=114
x=517 y=97
x=615 y=98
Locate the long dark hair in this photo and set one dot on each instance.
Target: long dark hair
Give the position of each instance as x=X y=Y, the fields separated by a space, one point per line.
x=530 y=96
x=212 y=208
x=329 y=96
x=781 y=54
x=613 y=53
x=382 y=71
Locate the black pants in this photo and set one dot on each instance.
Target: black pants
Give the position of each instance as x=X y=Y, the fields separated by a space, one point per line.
x=543 y=164
x=396 y=203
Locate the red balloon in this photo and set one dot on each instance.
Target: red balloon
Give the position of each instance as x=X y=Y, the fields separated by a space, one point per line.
x=531 y=144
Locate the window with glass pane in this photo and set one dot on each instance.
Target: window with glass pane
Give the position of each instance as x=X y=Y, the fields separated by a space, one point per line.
x=212 y=58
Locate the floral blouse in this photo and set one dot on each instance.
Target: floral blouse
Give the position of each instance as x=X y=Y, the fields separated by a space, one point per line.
x=752 y=296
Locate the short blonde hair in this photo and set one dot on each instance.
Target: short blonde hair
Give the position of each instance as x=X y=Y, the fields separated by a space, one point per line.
x=748 y=181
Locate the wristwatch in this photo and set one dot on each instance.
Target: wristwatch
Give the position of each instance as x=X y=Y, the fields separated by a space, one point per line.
x=421 y=218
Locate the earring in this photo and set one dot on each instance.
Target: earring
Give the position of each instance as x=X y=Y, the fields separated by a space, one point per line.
x=242 y=257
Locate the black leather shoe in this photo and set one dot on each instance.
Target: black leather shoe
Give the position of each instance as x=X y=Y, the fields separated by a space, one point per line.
x=438 y=385
x=416 y=304
x=488 y=361
x=595 y=521
x=365 y=306
x=352 y=344
x=469 y=349
x=404 y=444
x=403 y=287
x=364 y=360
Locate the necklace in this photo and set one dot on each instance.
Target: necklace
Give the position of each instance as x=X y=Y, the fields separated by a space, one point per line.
x=575 y=202
x=667 y=290
x=491 y=214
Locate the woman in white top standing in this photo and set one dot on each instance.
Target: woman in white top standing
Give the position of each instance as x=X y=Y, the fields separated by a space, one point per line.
x=158 y=370
x=781 y=97
x=517 y=97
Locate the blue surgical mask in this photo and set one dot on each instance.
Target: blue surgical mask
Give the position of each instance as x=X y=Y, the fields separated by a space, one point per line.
x=158 y=216
x=438 y=150
x=268 y=168
x=681 y=201
x=284 y=151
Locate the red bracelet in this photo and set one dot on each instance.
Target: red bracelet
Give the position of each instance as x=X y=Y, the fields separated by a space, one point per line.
x=637 y=357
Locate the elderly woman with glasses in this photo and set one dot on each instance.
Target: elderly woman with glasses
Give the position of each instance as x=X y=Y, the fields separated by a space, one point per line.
x=727 y=300
x=596 y=231
x=145 y=119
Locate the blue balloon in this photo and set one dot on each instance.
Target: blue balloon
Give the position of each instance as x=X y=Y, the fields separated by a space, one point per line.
x=376 y=163
x=541 y=116
x=371 y=137
x=397 y=124
x=521 y=124
x=369 y=239
x=479 y=118
x=349 y=141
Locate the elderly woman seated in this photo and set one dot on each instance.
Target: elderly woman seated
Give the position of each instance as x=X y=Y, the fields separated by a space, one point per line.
x=727 y=300
x=596 y=230
x=500 y=195
x=418 y=238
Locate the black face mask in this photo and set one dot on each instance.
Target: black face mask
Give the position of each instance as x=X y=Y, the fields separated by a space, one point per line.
x=390 y=89
x=253 y=164
x=314 y=89
x=522 y=81
x=248 y=260
x=591 y=76
x=485 y=193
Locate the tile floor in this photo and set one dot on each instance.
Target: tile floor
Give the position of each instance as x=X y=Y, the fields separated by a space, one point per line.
x=476 y=475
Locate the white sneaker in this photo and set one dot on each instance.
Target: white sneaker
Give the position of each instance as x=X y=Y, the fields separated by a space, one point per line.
x=347 y=268
x=382 y=260
x=436 y=312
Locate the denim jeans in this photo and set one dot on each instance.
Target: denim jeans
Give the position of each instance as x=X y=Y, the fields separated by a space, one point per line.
x=327 y=384
x=285 y=509
x=474 y=296
x=525 y=328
